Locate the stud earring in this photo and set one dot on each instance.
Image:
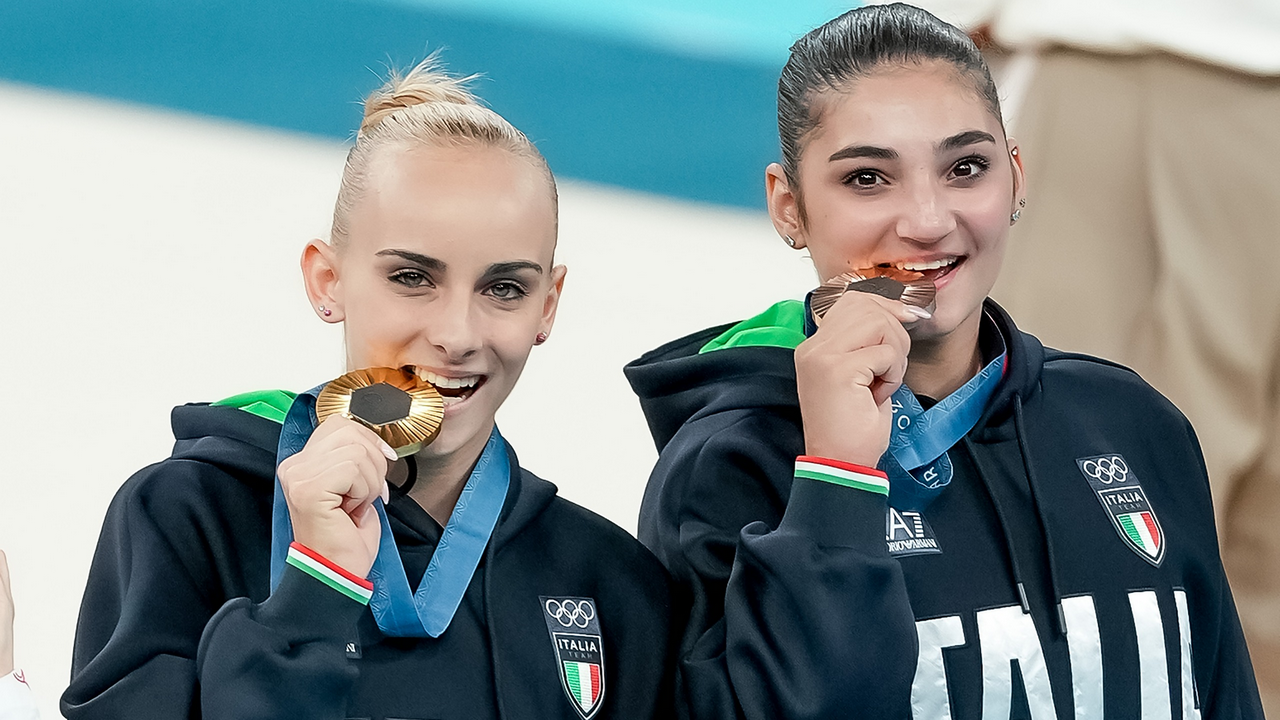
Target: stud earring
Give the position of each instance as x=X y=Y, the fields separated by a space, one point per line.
x=789 y=240
x=540 y=338
x=1014 y=217
x=1022 y=202
x=325 y=311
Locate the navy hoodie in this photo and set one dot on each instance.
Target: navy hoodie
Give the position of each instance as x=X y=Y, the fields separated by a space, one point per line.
x=1069 y=570
x=178 y=619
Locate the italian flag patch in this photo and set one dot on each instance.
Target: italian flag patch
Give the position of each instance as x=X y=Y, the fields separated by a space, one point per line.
x=584 y=683
x=573 y=624
x=1141 y=529
x=1116 y=484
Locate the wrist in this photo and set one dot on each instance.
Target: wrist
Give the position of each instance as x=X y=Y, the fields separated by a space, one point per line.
x=840 y=450
x=838 y=472
x=330 y=573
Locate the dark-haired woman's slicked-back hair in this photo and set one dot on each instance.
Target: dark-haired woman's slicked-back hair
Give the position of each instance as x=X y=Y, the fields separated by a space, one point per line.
x=853 y=45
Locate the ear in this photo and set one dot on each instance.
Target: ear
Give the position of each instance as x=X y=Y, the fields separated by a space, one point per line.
x=784 y=205
x=552 y=301
x=1019 y=175
x=320 y=276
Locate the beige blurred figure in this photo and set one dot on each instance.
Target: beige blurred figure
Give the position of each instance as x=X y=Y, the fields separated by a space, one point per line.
x=16 y=700
x=1152 y=230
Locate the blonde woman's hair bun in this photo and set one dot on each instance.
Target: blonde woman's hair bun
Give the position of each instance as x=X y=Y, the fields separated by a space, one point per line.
x=425 y=84
x=424 y=107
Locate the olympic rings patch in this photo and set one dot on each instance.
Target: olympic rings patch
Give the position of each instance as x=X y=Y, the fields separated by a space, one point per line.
x=1122 y=497
x=1106 y=469
x=571 y=613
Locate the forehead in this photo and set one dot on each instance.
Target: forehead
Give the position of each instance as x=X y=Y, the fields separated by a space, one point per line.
x=901 y=105
x=472 y=202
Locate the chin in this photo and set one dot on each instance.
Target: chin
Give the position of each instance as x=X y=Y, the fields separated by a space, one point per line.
x=456 y=433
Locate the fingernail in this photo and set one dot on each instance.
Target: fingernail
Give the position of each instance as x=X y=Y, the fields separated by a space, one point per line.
x=386 y=492
x=919 y=312
x=391 y=454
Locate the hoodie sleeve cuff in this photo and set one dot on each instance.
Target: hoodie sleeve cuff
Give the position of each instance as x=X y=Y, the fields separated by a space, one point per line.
x=321 y=568
x=838 y=504
x=837 y=472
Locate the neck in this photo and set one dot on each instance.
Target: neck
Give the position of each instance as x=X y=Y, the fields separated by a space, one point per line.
x=442 y=477
x=938 y=367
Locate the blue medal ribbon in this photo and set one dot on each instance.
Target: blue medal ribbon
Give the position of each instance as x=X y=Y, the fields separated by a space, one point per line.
x=917 y=460
x=398 y=611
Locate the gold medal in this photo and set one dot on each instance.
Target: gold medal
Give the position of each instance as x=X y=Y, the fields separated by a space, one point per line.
x=405 y=411
x=910 y=287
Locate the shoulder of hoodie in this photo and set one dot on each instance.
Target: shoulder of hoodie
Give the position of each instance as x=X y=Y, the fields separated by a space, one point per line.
x=1093 y=379
x=587 y=542
x=192 y=486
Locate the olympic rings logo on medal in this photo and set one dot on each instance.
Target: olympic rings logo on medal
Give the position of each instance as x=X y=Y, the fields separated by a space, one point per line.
x=1106 y=470
x=571 y=613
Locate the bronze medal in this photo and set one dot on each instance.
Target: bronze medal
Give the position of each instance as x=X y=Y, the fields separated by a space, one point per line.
x=404 y=410
x=910 y=287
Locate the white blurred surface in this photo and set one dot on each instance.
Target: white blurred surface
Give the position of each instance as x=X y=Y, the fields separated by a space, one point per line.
x=150 y=259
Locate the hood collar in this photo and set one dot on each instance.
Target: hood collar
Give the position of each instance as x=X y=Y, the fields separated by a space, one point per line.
x=678 y=382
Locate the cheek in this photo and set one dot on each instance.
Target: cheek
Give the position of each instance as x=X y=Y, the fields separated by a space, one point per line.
x=991 y=217
x=378 y=326
x=511 y=339
x=842 y=242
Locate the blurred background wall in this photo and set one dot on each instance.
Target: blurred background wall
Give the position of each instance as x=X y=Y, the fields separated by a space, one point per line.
x=165 y=163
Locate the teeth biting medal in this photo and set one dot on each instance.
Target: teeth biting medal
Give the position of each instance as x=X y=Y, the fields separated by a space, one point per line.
x=908 y=286
x=403 y=409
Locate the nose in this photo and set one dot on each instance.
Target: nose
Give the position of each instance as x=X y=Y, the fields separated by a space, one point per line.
x=451 y=328
x=926 y=216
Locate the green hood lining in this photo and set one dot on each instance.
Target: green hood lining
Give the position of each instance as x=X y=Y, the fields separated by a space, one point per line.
x=781 y=326
x=270 y=404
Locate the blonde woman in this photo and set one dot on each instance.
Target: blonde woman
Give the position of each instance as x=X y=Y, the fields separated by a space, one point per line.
x=217 y=592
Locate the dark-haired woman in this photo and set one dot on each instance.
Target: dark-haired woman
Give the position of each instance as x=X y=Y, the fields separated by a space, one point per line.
x=911 y=514
x=451 y=583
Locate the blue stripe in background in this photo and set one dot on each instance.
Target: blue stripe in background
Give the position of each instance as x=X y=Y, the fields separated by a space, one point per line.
x=630 y=98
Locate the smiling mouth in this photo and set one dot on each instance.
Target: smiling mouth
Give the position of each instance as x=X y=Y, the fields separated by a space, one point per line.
x=453 y=389
x=934 y=270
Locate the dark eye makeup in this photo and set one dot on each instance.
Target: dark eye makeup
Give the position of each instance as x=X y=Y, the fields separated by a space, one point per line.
x=507 y=290
x=970 y=167
x=863 y=178
x=411 y=278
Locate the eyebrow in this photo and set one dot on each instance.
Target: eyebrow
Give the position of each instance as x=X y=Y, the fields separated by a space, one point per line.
x=425 y=261
x=863 y=151
x=968 y=137
x=959 y=140
x=511 y=267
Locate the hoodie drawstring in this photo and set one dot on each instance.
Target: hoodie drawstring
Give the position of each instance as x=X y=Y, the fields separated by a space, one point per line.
x=1004 y=525
x=1020 y=431
x=1060 y=624
x=493 y=640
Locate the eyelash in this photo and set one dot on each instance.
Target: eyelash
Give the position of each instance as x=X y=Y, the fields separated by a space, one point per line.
x=416 y=279
x=519 y=291
x=402 y=277
x=849 y=179
x=981 y=165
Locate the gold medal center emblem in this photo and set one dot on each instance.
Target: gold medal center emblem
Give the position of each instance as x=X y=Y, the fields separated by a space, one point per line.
x=404 y=410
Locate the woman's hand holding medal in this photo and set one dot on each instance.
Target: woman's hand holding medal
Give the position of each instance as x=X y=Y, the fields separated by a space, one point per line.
x=846 y=373
x=330 y=486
